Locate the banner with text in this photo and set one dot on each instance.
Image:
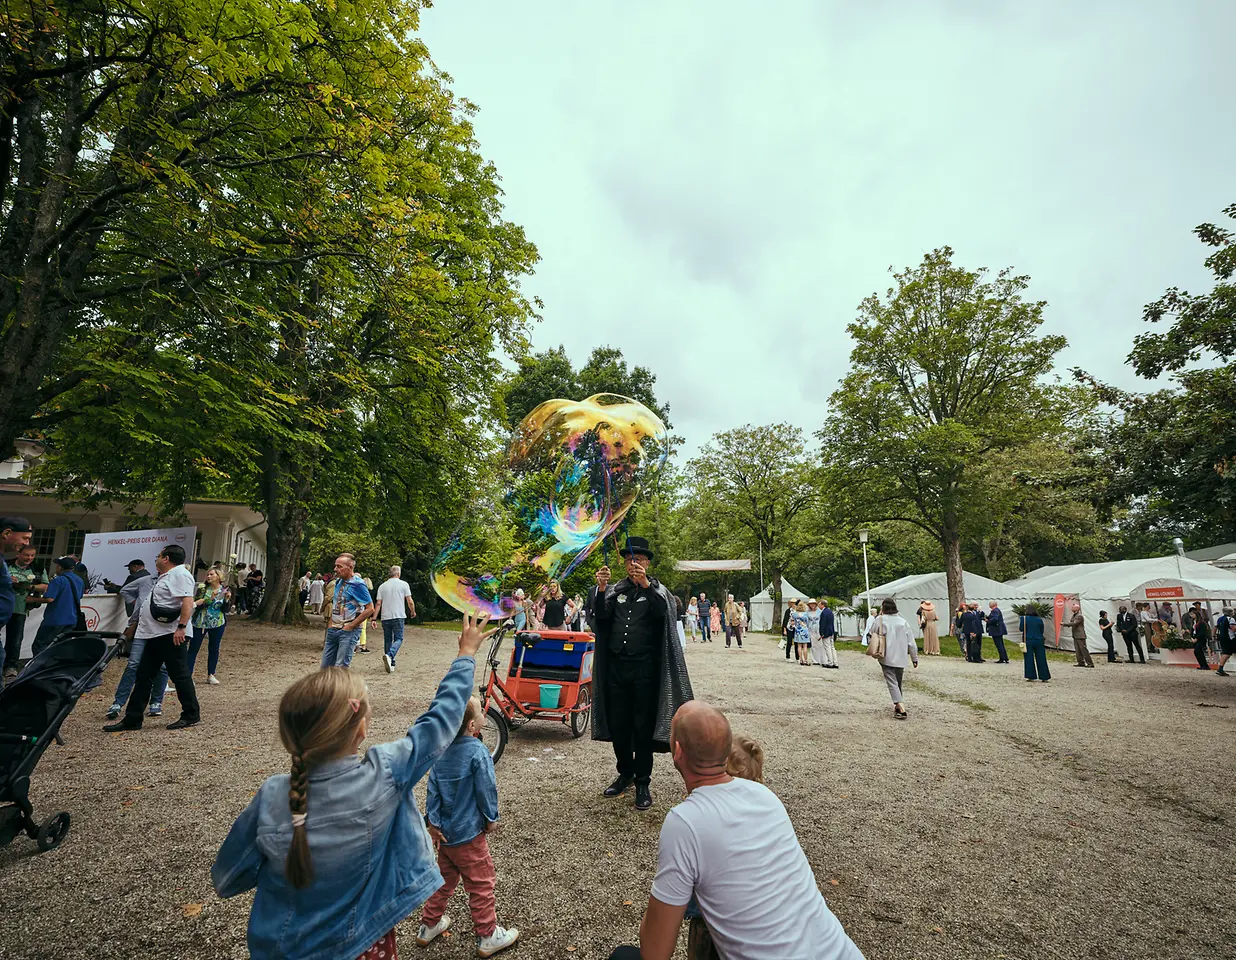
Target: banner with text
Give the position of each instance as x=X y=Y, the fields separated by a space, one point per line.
x=107 y=554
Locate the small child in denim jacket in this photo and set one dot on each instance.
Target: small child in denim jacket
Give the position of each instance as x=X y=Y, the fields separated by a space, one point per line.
x=337 y=851
x=462 y=807
x=747 y=763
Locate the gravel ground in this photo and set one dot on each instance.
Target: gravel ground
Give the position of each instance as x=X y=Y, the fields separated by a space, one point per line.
x=1088 y=818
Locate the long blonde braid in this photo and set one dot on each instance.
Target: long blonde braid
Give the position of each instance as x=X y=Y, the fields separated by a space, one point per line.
x=318 y=716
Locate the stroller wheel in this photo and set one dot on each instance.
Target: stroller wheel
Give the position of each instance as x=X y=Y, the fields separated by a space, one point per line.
x=53 y=830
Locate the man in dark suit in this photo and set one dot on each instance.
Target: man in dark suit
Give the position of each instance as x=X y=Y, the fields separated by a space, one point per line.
x=972 y=630
x=997 y=630
x=1126 y=626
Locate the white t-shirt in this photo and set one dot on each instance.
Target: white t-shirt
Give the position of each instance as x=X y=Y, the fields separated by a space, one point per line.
x=733 y=846
x=392 y=594
x=169 y=590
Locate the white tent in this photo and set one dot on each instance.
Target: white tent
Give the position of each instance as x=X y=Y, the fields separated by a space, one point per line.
x=1105 y=586
x=760 y=607
x=910 y=591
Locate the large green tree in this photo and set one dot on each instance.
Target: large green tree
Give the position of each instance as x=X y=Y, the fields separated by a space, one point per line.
x=947 y=369
x=1170 y=454
x=353 y=382
x=747 y=490
x=169 y=152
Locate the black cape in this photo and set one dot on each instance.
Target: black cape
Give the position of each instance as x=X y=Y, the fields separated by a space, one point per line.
x=675 y=683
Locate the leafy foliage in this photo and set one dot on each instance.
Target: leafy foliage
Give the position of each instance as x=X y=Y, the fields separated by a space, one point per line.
x=550 y=375
x=946 y=371
x=1204 y=323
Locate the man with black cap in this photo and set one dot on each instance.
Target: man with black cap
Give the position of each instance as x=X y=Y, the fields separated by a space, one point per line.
x=137 y=571
x=639 y=673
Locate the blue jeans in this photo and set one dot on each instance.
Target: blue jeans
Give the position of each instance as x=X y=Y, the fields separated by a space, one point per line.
x=340 y=645
x=129 y=677
x=392 y=636
x=215 y=634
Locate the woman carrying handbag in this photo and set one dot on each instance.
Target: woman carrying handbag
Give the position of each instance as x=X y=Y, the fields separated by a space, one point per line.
x=892 y=643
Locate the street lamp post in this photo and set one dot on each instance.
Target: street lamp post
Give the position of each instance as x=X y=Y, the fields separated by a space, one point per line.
x=862 y=538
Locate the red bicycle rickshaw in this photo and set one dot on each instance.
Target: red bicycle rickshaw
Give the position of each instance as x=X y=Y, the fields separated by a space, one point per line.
x=548 y=677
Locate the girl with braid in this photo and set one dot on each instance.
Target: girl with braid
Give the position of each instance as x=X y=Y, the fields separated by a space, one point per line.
x=336 y=849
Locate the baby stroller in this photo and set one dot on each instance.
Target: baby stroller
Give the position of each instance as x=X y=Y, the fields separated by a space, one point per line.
x=32 y=707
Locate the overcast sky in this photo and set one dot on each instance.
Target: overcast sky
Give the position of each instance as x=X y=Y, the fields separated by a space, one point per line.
x=714 y=186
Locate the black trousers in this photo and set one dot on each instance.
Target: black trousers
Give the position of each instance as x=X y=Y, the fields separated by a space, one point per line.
x=1111 y=646
x=158 y=652
x=14 y=633
x=974 y=648
x=999 y=642
x=789 y=645
x=1199 y=651
x=632 y=691
x=1133 y=642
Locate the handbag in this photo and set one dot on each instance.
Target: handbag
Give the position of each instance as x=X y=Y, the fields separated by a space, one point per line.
x=1023 y=646
x=878 y=642
x=161 y=613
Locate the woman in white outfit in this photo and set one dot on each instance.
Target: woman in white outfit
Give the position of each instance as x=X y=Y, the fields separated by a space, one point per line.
x=899 y=649
x=813 y=630
x=317 y=594
x=693 y=619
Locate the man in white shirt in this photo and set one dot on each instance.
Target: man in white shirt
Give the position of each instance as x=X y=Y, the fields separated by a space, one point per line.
x=162 y=621
x=394 y=599
x=731 y=845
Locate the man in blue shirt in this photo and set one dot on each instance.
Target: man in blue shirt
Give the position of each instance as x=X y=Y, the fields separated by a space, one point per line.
x=349 y=609
x=63 y=597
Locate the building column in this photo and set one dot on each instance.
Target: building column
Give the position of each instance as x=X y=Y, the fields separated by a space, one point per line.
x=108 y=523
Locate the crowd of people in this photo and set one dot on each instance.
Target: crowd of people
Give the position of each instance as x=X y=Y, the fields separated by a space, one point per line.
x=728 y=860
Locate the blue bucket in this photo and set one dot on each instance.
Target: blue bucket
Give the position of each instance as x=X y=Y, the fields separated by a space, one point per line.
x=549 y=695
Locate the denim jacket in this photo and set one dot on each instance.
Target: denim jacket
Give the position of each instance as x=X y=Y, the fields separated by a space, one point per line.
x=463 y=791
x=373 y=862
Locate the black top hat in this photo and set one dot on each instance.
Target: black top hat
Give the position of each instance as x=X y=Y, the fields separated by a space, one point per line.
x=637 y=545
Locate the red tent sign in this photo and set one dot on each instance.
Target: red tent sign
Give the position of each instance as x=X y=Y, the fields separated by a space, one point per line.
x=1165 y=593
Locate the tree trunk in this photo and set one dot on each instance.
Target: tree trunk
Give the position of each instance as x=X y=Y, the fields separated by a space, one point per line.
x=950 y=539
x=286 y=487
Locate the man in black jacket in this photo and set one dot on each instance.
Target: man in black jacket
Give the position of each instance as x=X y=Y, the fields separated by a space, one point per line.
x=972 y=629
x=639 y=674
x=1126 y=626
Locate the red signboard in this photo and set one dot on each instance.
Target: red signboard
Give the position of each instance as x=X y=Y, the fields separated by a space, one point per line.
x=1165 y=593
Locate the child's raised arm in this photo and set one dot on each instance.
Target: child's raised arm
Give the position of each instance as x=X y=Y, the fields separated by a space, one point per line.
x=410 y=758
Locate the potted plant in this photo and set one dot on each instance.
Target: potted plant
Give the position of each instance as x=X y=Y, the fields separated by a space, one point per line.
x=1175 y=649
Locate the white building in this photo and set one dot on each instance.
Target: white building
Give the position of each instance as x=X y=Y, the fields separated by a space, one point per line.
x=223 y=528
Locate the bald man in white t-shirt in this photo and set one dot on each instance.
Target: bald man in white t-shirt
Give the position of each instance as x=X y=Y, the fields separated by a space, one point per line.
x=731 y=845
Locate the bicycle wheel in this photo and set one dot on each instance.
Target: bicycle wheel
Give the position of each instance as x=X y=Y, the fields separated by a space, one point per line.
x=495 y=732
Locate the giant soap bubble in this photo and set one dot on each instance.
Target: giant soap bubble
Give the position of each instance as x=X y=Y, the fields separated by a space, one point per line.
x=574 y=468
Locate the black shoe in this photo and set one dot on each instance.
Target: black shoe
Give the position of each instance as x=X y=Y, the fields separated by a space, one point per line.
x=643 y=796
x=182 y=724
x=121 y=726
x=619 y=786
x=1221 y=672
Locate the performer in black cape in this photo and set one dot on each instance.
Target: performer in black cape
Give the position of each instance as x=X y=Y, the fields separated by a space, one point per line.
x=639 y=673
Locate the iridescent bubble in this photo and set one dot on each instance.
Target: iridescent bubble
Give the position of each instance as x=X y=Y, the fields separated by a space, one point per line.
x=575 y=468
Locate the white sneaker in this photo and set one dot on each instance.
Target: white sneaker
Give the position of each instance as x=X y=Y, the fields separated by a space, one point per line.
x=500 y=939
x=212 y=680
x=388 y=663
x=427 y=935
